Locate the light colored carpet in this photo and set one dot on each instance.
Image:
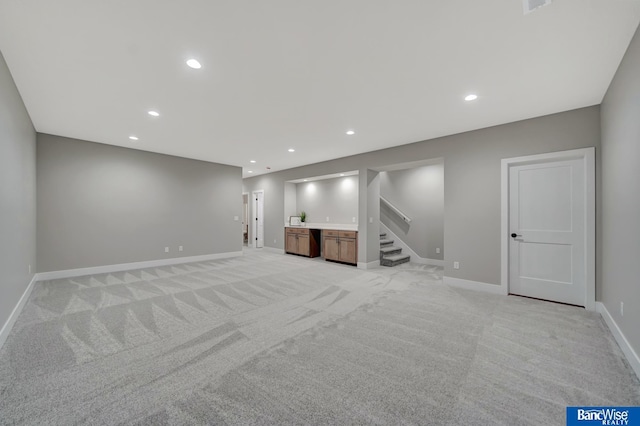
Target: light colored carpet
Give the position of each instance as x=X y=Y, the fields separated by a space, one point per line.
x=278 y=339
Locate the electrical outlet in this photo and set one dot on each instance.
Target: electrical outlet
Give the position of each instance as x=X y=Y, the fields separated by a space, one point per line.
x=456 y=265
x=236 y=218
x=179 y=248
x=621 y=309
x=166 y=249
x=353 y=219
x=274 y=241
x=29 y=268
x=370 y=220
x=438 y=250
x=327 y=218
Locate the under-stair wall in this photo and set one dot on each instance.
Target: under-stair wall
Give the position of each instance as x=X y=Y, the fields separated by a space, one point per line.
x=397 y=241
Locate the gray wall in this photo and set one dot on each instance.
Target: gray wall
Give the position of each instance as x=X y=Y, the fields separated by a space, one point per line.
x=369 y=212
x=335 y=198
x=620 y=236
x=17 y=195
x=419 y=194
x=290 y=201
x=471 y=182
x=103 y=205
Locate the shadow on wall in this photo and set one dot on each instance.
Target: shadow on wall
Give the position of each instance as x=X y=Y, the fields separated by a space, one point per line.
x=389 y=216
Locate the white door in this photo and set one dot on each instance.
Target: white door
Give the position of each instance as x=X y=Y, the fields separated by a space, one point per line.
x=547 y=231
x=258 y=208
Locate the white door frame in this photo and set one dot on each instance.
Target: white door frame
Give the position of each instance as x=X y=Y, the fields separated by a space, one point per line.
x=587 y=155
x=248 y=212
x=254 y=215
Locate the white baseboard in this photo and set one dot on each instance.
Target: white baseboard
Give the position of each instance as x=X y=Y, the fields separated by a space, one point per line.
x=624 y=344
x=369 y=265
x=8 y=325
x=408 y=250
x=474 y=285
x=273 y=250
x=69 y=273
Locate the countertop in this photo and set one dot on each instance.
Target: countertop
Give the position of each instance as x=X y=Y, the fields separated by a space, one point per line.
x=336 y=226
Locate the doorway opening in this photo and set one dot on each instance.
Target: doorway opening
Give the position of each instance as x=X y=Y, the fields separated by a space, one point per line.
x=412 y=210
x=245 y=219
x=257 y=199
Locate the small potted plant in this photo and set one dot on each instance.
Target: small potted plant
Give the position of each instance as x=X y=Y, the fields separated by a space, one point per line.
x=303 y=217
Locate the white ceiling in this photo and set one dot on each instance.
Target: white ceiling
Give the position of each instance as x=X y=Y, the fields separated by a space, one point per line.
x=299 y=73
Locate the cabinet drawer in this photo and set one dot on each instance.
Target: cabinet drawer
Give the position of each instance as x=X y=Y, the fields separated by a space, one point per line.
x=331 y=233
x=297 y=231
x=347 y=234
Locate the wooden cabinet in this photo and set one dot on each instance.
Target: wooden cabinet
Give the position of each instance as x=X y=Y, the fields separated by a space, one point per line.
x=331 y=248
x=302 y=241
x=340 y=246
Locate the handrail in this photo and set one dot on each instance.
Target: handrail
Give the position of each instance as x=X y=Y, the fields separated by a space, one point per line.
x=396 y=210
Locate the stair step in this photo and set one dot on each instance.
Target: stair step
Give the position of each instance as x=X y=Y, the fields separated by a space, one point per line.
x=389 y=250
x=394 y=259
x=385 y=242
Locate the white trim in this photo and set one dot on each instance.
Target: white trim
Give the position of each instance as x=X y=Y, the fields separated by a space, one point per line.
x=254 y=217
x=272 y=250
x=474 y=285
x=627 y=349
x=590 y=223
x=408 y=250
x=8 y=325
x=588 y=157
x=504 y=225
x=369 y=265
x=68 y=273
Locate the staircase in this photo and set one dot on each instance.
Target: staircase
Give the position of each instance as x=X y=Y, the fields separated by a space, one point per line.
x=391 y=255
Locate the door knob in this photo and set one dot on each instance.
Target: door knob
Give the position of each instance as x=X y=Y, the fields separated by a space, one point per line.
x=514 y=235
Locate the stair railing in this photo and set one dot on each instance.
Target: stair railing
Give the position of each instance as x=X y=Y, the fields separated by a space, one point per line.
x=396 y=210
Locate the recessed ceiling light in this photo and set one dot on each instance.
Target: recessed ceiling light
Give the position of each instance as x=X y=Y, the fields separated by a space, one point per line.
x=193 y=63
x=351 y=132
x=133 y=138
x=306 y=180
x=341 y=174
x=252 y=161
x=471 y=97
x=250 y=171
x=154 y=113
x=291 y=150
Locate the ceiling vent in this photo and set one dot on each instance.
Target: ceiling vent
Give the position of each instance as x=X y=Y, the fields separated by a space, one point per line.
x=531 y=5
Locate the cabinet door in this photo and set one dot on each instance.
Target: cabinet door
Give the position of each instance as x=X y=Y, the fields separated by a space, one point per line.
x=303 y=244
x=291 y=243
x=348 y=250
x=331 y=249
